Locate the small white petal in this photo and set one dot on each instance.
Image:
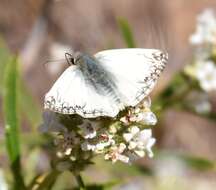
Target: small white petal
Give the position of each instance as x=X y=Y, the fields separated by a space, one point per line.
x=133 y=118
x=132 y=145
x=72 y=158
x=59 y=154
x=127 y=136
x=121 y=147
x=123 y=158
x=106 y=156
x=100 y=146
x=137 y=110
x=90 y=135
x=68 y=151
x=149 y=118
x=124 y=120
x=151 y=142
x=140 y=153
x=134 y=130
x=112 y=129
x=150 y=153
x=88 y=129
x=145 y=134
x=86 y=146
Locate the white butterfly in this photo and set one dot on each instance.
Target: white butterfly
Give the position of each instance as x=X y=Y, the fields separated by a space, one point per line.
x=106 y=83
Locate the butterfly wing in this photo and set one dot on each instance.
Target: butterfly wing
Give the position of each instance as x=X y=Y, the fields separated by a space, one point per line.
x=136 y=71
x=71 y=94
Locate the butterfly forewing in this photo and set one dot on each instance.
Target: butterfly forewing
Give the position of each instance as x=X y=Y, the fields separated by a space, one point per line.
x=71 y=94
x=136 y=71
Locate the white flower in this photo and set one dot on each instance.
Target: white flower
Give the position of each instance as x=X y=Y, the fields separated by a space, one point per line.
x=66 y=142
x=132 y=131
x=86 y=146
x=112 y=129
x=206 y=74
x=199 y=101
x=88 y=129
x=140 y=116
x=125 y=120
x=141 y=113
x=203 y=106
x=147 y=118
x=140 y=141
x=115 y=154
x=103 y=140
x=206 y=29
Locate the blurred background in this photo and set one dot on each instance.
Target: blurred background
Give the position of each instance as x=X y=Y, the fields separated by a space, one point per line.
x=43 y=30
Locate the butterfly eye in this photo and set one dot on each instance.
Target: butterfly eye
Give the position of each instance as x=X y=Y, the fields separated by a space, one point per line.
x=70 y=59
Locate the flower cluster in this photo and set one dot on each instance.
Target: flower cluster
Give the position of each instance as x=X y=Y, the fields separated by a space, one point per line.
x=203 y=68
x=204 y=71
x=206 y=29
x=125 y=138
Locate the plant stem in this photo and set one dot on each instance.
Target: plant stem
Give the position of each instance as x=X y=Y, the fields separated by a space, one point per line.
x=44 y=181
x=79 y=181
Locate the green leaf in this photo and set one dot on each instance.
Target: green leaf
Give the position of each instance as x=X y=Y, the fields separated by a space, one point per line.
x=174 y=93
x=198 y=163
x=4 y=58
x=11 y=120
x=10 y=110
x=126 y=32
x=27 y=104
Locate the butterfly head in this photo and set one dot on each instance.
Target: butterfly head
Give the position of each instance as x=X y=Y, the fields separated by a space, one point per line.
x=73 y=59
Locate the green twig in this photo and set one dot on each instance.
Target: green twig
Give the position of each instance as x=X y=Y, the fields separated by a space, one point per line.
x=127 y=33
x=42 y=183
x=80 y=181
x=174 y=93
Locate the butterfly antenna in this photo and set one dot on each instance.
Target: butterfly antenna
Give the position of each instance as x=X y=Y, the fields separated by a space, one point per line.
x=50 y=61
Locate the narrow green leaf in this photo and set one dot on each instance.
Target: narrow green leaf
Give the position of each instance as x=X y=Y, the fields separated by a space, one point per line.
x=126 y=32
x=10 y=110
x=27 y=104
x=11 y=121
x=198 y=163
x=4 y=58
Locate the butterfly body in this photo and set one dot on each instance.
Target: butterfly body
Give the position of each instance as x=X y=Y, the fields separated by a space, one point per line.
x=104 y=84
x=97 y=77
